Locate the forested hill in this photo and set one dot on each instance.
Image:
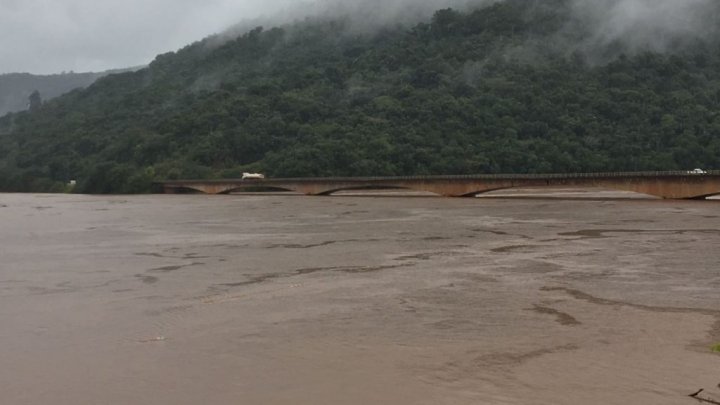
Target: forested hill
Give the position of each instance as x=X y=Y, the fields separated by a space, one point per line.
x=15 y=88
x=515 y=87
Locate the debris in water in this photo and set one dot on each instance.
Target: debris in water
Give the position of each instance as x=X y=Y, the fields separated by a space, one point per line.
x=701 y=399
x=152 y=340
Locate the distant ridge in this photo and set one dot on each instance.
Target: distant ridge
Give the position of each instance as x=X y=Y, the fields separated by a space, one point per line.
x=15 y=88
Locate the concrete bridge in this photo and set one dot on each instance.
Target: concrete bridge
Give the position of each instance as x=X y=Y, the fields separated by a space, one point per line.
x=669 y=185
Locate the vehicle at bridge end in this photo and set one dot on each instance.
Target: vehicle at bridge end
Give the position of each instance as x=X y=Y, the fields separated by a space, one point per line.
x=252 y=176
x=697 y=171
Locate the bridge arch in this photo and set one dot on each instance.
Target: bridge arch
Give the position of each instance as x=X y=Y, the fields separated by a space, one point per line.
x=569 y=188
x=185 y=190
x=488 y=190
x=251 y=188
x=706 y=196
x=372 y=187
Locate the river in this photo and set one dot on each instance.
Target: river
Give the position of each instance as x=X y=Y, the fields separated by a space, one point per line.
x=281 y=299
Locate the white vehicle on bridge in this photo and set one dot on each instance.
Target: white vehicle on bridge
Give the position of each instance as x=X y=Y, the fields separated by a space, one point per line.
x=253 y=176
x=697 y=171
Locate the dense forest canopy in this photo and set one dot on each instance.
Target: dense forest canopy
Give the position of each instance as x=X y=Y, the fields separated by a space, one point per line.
x=513 y=87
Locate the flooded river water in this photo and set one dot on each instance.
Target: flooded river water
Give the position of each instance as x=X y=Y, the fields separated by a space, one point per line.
x=263 y=299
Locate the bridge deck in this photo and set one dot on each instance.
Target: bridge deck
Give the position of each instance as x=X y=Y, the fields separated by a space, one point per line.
x=665 y=184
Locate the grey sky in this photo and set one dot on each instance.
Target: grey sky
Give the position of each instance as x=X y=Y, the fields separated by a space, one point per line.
x=49 y=36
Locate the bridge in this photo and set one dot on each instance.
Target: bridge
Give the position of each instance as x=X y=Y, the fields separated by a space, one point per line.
x=668 y=185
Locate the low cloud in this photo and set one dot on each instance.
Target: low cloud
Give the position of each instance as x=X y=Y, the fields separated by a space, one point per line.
x=49 y=36
x=647 y=24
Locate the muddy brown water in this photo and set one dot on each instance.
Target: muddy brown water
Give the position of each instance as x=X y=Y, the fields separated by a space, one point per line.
x=263 y=299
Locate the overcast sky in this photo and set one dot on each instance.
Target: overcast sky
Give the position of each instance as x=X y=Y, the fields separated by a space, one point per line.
x=50 y=36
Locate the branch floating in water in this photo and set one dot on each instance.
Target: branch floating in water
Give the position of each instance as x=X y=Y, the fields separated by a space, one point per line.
x=701 y=399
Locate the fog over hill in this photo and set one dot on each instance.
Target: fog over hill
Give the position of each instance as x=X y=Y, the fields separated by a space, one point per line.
x=640 y=24
x=45 y=37
x=648 y=24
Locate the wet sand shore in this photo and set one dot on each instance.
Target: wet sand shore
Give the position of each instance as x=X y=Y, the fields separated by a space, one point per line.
x=263 y=299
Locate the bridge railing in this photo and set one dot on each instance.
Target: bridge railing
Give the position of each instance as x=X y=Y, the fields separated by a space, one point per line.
x=677 y=173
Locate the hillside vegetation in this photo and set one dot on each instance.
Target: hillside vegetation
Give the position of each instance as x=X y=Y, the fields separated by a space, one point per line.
x=508 y=88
